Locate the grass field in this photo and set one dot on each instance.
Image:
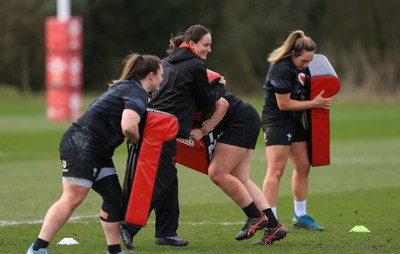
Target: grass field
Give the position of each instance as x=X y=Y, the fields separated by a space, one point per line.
x=360 y=187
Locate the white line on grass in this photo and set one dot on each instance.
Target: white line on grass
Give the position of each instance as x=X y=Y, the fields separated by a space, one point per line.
x=4 y=223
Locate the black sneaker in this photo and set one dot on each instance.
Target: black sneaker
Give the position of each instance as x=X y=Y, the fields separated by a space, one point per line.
x=126 y=237
x=272 y=234
x=251 y=226
x=171 y=241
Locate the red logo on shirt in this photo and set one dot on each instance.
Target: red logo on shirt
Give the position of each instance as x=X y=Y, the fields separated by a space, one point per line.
x=302 y=78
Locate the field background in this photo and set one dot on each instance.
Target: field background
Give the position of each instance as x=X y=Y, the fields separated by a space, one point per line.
x=360 y=187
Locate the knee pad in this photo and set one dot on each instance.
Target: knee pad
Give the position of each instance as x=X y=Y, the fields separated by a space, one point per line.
x=111 y=192
x=111 y=209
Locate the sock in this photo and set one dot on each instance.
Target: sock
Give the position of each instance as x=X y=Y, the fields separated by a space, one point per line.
x=252 y=211
x=272 y=221
x=274 y=211
x=300 y=208
x=114 y=249
x=40 y=244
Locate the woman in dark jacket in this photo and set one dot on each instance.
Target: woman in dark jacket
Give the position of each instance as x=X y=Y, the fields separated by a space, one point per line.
x=185 y=89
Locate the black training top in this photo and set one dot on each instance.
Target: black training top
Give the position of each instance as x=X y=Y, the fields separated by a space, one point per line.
x=233 y=103
x=102 y=120
x=283 y=78
x=185 y=88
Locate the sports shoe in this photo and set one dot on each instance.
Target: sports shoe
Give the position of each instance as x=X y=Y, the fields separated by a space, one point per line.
x=126 y=237
x=171 y=240
x=121 y=252
x=251 y=226
x=40 y=251
x=305 y=222
x=272 y=234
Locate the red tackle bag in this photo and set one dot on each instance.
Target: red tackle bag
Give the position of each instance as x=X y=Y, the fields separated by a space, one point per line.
x=142 y=165
x=323 y=78
x=196 y=154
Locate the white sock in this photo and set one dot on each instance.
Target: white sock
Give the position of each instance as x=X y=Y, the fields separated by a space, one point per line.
x=274 y=211
x=300 y=208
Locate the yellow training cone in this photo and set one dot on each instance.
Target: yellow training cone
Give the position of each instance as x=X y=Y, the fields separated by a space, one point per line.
x=360 y=229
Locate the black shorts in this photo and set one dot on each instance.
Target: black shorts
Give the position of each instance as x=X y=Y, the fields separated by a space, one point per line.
x=80 y=166
x=284 y=135
x=242 y=128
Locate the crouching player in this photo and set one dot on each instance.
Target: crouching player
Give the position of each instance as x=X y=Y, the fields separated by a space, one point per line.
x=230 y=165
x=87 y=147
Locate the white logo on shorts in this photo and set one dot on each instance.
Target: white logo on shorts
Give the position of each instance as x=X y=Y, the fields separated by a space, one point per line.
x=94 y=172
x=64 y=166
x=289 y=137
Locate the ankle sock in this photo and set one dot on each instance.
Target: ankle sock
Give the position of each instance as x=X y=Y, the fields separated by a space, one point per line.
x=272 y=221
x=252 y=211
x=40 y=244
x=114 y=249
x=300 y=208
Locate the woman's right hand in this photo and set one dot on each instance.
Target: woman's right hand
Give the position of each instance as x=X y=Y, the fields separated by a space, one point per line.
x=195 y=135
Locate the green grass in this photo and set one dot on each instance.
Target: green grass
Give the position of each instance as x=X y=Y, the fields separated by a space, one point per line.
x=360 y=187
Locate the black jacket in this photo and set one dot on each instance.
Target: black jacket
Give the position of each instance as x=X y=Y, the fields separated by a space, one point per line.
x=185 y=89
